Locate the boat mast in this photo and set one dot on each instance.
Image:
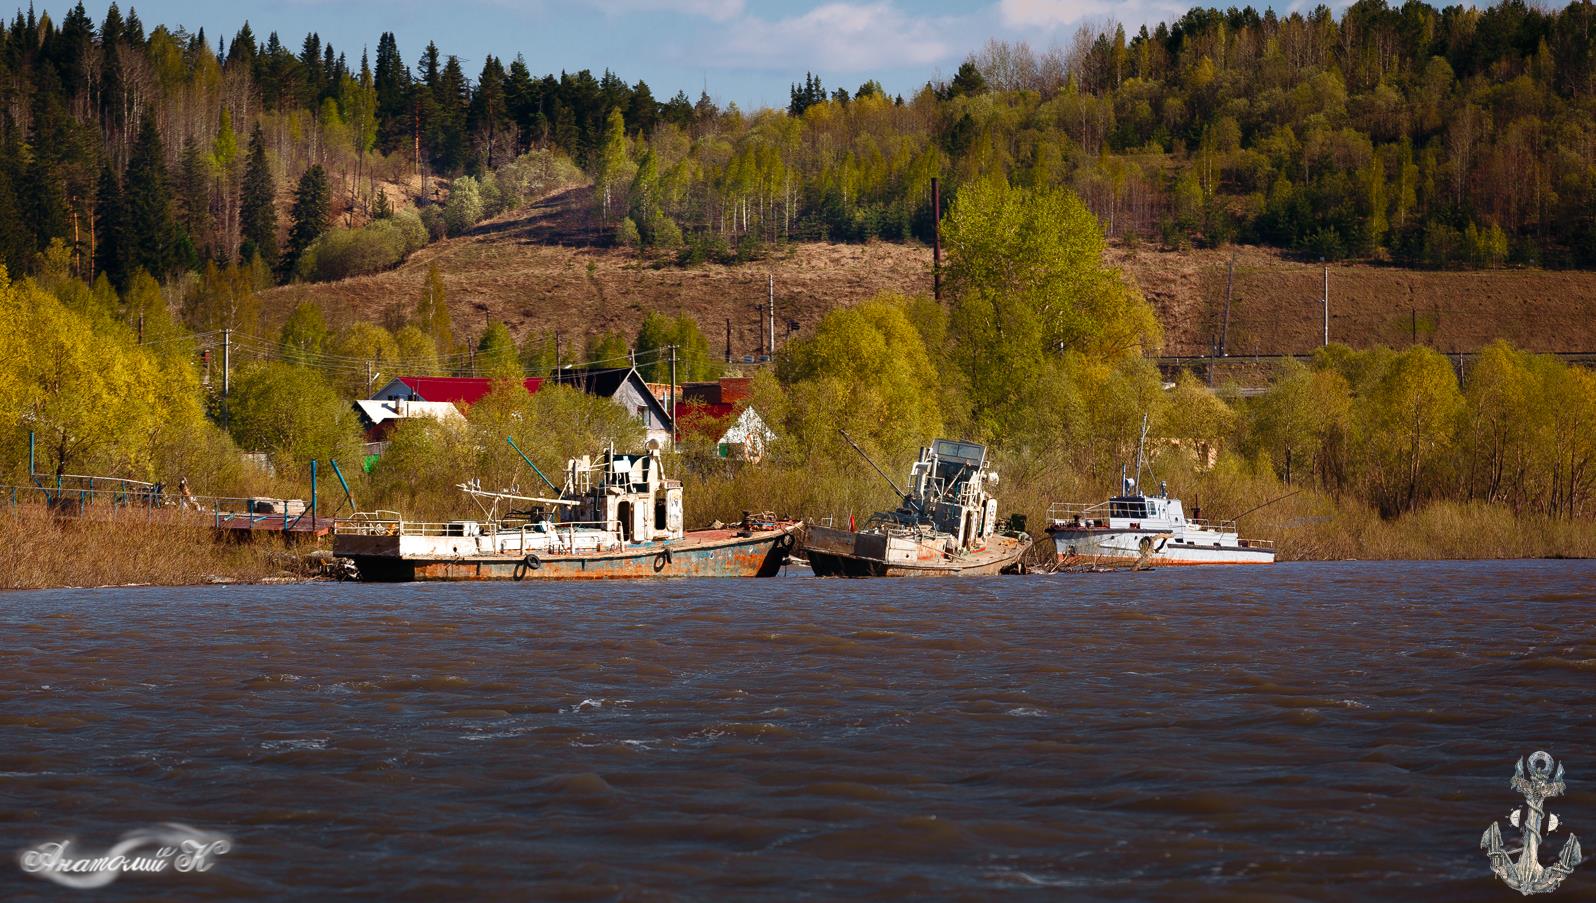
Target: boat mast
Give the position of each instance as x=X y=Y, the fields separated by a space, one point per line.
x=1141 y=450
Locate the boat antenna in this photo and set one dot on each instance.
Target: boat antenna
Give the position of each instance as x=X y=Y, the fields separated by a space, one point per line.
x=511 y=440
x=1280 y=498
x=862 y=454
x=1141 y=449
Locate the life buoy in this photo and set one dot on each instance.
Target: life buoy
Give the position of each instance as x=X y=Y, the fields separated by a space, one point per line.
x=662 y=559
x=785 y=542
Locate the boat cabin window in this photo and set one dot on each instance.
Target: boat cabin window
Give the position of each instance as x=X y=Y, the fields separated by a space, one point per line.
x=1127 y=507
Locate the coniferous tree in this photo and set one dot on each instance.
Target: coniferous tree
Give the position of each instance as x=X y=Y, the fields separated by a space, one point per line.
x=450 y=95
x=521 y=99
x=16 y=245
x=258 y=206
x=42 y=186
x=152 y=240
x=488 y=119
x=110 y=230
x=967 y=81
x=312 y=214
x=392 y=81
x=194 y=196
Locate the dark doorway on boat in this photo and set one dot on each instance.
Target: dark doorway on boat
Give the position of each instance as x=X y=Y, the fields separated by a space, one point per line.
x=623 y=511
x=659 y=513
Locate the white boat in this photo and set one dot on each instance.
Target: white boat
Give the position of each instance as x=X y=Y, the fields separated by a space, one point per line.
x=1134 y=530
x=1137 y=530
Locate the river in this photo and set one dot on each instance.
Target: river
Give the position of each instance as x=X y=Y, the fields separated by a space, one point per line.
x=1301 y=731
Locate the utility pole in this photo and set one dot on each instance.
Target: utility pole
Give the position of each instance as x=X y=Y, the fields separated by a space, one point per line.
x=728 y=340
x=936 y=238
x=673 y=397
x=556 y=352
x=772 y=311
x=227 y=371
x=1224 y=334
x=1327 y=307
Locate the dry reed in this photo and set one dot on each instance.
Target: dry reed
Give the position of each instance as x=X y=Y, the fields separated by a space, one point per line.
x=41 y=548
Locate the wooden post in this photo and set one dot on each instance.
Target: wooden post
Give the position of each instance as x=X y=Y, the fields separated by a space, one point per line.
x=1224 y=334
x=1327 y=307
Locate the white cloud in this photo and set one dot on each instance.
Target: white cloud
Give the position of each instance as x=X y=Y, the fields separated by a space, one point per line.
x=1048 y=15
x=833 y=37
x=718 y=10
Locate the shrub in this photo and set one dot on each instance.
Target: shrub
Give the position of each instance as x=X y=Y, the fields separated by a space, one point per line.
x=432 y=221
x=533 y=175
x=665 y=234
x=377 y=246
x=626 y=234
x=463 y=209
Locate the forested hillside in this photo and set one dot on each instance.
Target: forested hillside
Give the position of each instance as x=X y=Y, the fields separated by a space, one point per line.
x=1455 y=137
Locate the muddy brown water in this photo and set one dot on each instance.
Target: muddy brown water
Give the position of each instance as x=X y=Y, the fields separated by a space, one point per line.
x=1306 y=731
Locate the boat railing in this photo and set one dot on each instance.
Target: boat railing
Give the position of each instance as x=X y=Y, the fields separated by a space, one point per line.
x=1218 y=526
x=1065 y=512
x=391 y=523
x=1061 y=512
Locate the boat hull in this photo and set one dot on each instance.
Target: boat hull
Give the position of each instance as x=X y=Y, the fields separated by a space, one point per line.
x=842 y=553
x=706 y=553
x=1141 y=548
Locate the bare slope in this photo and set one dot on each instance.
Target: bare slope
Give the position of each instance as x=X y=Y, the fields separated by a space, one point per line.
x=548 y=268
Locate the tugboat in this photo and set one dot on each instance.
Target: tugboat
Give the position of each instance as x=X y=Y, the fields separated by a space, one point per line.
x=619 y=517
x=1138 y=531
x=946 y=527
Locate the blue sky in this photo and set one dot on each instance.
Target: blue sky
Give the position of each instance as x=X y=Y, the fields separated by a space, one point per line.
x=747 y=51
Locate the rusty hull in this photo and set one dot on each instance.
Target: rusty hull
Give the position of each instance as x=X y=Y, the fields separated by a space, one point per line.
x=703 y=553
x=842 y=553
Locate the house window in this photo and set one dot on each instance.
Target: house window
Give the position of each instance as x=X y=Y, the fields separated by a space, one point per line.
x=642 y=412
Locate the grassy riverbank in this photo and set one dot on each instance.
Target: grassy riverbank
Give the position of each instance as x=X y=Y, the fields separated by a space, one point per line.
x=40 y=549
x=1306 y=525
x=118 y=547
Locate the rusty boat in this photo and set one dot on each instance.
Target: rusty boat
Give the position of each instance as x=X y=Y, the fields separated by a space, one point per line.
x=947 y=525
x=617 y=517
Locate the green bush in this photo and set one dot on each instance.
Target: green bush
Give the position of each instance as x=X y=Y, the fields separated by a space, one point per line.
x=432 y=221
x=379 y=245
x=463 y=209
